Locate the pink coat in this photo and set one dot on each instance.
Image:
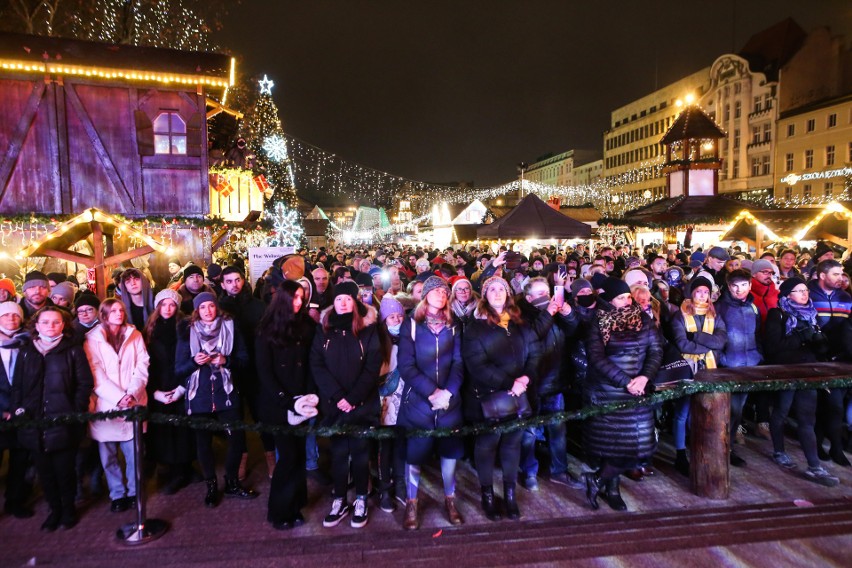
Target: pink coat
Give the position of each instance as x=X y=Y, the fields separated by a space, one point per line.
x=116 y=374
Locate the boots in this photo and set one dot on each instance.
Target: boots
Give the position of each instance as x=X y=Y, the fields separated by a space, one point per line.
x=613 y=495
x=512 y=511
x=243 y=471
x=68 y=519
x=233 y=488
x=411 y=522
x=270 y=463
x=488 y=505
x=681 y=463
x=212 y=497
x=594 y=485
x=452 y=513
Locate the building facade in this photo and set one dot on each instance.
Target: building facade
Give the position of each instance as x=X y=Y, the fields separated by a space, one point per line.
x=589 y=173
x=552 y=170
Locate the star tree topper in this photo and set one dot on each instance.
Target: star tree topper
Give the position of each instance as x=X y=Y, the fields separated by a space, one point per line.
x=266 y=86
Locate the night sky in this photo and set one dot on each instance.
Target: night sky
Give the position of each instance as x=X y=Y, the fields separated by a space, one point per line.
x=463 y=90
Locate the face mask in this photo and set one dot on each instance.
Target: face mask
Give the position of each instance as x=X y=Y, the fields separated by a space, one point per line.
x=9 y=332
x=47 y=339
x=394 y=329
x=586 y=301
x=541 y=302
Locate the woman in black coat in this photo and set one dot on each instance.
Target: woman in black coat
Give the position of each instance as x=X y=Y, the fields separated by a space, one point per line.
x=209 y=349
x=791 y=336
x=500 y=353
x=431 y=366
x=625 y=351
x=167 y=444
x=282 y=349
x=55 y=379
x=346 y=359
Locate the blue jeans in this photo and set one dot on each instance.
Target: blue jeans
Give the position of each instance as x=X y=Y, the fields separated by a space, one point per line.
x=311 y=449
x=681 y=419
x=112 y=468
x=556 y=440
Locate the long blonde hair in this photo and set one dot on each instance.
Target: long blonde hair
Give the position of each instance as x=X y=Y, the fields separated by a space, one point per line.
x=114 y=339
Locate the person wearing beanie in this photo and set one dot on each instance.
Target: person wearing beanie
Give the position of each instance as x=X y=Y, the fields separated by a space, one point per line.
x=292 y=267
x=763 y=289
x=698 y=335
x=346 y=359
x=193 y=284
x=86 y=309
x=462 y=300
x=62 y=295
x=597 y=280
x=792 y=337
x=36 y=291
x=237 y=300
x=624 y=353
x=390 y=306
x=500 y=353
x=7 y=290
x=214 y=278
x=822 y=252
x=434 y=282
x=55 y=278
x=210 y=348
x=137 y=296
x=742 y=321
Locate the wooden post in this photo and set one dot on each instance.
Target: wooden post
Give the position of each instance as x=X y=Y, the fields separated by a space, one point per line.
x=100 y=270
x=710 y=444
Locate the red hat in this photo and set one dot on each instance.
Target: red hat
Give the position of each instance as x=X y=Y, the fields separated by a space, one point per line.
x=455 y=280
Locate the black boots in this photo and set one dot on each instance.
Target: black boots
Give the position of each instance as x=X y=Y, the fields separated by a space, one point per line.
x=233 y=488
x=212 y=497
x=681 y=463
x=489 y=507
x=594 y=485
x=613 y=495
x=512 y=511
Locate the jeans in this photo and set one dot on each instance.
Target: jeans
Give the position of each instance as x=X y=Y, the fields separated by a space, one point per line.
x=112 y=468
x=681 y=419
x=738 y=400
x=804 y=403
x=556 y=440
x=311 y=449
x=485 y=452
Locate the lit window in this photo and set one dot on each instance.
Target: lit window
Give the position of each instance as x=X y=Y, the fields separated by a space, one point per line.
x=169 y=134
x=738 y=109
x=828 y=189
x=788 y=193
x=806 y=191
x=764 y=166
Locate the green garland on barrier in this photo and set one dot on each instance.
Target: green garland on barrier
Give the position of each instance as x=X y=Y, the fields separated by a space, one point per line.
x=201 y=423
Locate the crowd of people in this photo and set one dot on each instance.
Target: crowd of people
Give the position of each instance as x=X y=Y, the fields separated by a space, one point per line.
x=415 y=340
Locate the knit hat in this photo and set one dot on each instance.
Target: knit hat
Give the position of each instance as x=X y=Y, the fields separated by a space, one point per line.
x=746 y=264
x=580 y=284
x=8 y=285
x=597 y=280
x=494 y=280
x=434 y=282
x=214 y=271
x=11 y=308
x=189 y=271
x=821 y=248
x=346 y=289
x=203 y=297
x=699 y=282
x=786 y=286
x=614 y=287
x=89 y=299
x=64 y=290
x=390 y=306
x=456 y=280
x=57 y=277
x=167 y=294
x=761 y=264
x=175 y=261
x=293 y=267
x=364 y=280
x=718 y=253
x=637 y=276
x=34 y=278
x=697 y=256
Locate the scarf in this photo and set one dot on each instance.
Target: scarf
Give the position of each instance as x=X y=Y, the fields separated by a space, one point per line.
x=619 y=319
x=436 y=322
x=46 y=344
x=708 y=326
x=797 y=312
x=463 y=310
x=340 y=321
x=504 y=320
x=214 y=337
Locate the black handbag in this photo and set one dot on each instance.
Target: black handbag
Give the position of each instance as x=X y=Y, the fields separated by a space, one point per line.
x=674 y=367
x=500 y=406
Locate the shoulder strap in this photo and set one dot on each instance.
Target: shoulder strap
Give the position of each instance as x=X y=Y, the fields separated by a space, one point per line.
x=413 y=328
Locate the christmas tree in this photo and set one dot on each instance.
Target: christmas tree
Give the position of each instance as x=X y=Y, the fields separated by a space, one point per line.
x=265 y=137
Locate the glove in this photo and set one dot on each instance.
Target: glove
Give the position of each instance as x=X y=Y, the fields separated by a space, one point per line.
x=294 y=419
x=690 y=336
x=307 y=405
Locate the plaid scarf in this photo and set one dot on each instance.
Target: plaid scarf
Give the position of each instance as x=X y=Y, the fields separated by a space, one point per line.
x=628 y=318
x=804 y=312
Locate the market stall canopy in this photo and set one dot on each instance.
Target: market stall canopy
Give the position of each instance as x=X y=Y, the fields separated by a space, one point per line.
x=684 y=210
x=692 y=124
x=832 y=223
x=773 y=225
x=533 y=218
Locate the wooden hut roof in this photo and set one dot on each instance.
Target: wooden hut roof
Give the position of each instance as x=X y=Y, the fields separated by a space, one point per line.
x=782 y=223
x=682 y=210
x=692 y=123
x=466 y=233
x=532 y=217
x=76 y=57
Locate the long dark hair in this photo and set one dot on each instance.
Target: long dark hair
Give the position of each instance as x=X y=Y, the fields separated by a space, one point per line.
x=279 y=324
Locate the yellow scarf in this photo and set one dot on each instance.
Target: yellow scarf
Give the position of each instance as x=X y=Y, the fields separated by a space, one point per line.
x=709 y=324
x=504 y=320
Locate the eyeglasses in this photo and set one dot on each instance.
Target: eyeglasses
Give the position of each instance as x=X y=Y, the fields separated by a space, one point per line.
x=799 y=291
x=767 y=271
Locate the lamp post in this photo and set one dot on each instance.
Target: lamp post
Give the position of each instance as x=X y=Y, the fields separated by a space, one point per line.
x=522 y=167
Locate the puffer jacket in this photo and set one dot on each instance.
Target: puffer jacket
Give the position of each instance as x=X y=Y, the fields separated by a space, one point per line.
x=51 y=385
x=116 y=375
x=576 y=360
x=552 y=332
x=427 y=362
x=346 y=366
x=284 y=372
x=742 y=322
x=832 y=311
x=494 y=357
x=625 y=433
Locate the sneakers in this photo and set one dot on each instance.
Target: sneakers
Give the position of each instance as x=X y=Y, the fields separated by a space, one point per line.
x=821 y=476
x=359 y=514
x=386 y=502
x=783 y=460
x=739 y=437
x=567 y=480
x=339 y=511
x=762 y=431
x=530 y=483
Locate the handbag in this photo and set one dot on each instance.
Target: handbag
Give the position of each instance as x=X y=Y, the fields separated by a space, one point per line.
x=674 y=367
x=500 y=406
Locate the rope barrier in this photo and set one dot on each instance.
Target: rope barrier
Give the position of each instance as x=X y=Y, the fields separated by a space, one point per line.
x=379 y=432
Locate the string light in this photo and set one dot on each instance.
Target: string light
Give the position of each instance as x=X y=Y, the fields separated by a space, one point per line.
x=286 y=228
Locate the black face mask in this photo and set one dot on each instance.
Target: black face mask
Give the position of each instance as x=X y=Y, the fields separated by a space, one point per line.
x=586 y=301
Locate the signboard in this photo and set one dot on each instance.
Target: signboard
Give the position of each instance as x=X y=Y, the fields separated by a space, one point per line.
x=261 y=258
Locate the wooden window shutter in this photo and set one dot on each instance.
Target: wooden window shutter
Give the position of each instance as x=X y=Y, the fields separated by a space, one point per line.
x=144 y=133
x=195 y=135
